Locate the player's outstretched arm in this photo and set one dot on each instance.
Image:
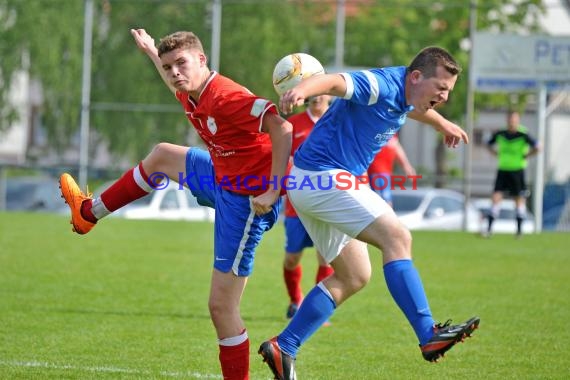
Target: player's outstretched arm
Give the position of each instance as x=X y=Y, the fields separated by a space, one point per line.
x=146 y=44
x=280 y=132
x=324 y=84
x=453 y=133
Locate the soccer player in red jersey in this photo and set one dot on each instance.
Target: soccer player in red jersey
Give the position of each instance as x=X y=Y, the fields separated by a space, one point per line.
x=382 y=167
x=296 y=237
x=248 y=149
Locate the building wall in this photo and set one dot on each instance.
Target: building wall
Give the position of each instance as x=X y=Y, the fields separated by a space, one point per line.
x=14 y=140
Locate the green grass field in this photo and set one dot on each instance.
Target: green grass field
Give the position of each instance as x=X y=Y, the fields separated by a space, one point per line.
x=129 y=301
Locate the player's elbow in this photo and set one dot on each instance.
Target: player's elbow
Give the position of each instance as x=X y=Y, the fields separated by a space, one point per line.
x=287 y=127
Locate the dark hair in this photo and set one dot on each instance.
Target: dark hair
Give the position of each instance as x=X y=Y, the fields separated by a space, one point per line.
x=429 y=58
x=179 y=40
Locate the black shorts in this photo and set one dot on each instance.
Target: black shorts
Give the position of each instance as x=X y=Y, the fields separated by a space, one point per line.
x=511 y=182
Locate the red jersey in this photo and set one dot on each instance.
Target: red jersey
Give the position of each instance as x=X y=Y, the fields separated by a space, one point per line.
x=384 y=160
x=303 y=124
x=228 y=118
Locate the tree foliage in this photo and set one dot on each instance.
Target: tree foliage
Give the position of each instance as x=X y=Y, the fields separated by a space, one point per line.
x=393 y=33
x=48 y=34
x=255 y=35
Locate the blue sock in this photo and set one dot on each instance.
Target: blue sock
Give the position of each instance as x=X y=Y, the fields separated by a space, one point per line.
x=406 y=287
x=315 y=309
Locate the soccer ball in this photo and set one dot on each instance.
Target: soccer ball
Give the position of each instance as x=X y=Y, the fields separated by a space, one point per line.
x=292 y=69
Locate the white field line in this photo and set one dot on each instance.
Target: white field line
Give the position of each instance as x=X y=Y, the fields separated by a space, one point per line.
x=107 y=369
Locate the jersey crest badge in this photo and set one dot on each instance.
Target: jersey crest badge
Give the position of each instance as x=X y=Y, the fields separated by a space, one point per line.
x=212 y=127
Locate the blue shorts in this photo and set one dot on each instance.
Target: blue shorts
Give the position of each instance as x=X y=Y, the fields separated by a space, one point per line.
x=296 y=236
x=381 y=183
x=237 y=230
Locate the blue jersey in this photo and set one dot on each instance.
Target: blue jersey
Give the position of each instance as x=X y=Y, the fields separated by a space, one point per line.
x=354 y=129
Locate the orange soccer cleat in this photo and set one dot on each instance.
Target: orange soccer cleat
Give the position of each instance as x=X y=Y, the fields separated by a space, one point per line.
x=74 y=197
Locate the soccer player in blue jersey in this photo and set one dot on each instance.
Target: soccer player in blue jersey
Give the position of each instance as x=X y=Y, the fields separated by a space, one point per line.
x=341 y=220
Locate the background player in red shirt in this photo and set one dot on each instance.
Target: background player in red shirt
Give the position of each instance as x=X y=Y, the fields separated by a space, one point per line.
x=248 y=143
x=381 y=169
x=296 y=237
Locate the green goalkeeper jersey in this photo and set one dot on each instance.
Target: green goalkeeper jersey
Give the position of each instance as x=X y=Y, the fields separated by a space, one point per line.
x=512 y=149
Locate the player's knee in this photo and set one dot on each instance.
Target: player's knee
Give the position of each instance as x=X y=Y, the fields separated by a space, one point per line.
x=401 y=234
x=152 y=160
x=159 y=150
x=291 y=261
x=158 y=155
x=359 y=281
x=406 y=238
x=223 y=315
x=213 y=308
x=355 y=279
x=217 y=309
x=400 y=246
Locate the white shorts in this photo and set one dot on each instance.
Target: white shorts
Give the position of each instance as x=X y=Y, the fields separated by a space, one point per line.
x=334 y=207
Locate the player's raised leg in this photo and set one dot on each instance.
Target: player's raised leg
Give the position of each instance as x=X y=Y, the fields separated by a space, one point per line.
x=406 y=288
x=164 y=160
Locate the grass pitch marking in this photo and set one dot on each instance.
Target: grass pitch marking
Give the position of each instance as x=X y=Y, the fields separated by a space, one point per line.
x=107 y=369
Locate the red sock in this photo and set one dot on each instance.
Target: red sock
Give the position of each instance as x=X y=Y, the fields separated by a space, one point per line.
x=130 y=187
x=293 y=283
x=86 y=211
x=323 y=272
x=235 y=361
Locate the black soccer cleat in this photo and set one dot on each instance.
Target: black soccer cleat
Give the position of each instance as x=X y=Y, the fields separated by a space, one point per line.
x=445 y=336
x=291 y=310
x=281 y=364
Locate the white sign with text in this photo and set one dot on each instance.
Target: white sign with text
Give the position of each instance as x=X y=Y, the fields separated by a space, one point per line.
x=507 y=62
